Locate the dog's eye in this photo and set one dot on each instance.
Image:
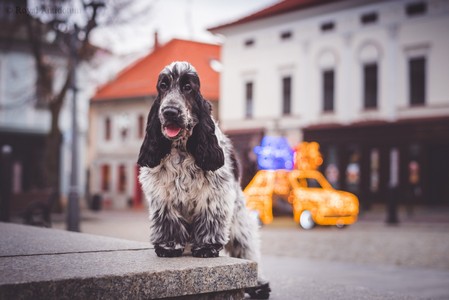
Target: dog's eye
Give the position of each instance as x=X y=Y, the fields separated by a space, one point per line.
x=186 y=88
x=163 y=86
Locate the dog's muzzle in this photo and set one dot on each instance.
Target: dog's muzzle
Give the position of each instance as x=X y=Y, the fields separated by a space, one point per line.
x=173 y=124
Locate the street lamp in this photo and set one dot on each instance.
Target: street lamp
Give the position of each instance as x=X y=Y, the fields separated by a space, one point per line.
x=73 y=212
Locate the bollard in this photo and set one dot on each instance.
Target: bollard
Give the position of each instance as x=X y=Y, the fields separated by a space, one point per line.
x=392 y=206
x=5 y=182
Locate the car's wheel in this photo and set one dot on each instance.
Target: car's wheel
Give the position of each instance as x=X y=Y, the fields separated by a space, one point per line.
x=340 y=226
x=306 y=220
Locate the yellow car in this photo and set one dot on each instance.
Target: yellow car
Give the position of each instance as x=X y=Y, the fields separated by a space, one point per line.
x=313 y=199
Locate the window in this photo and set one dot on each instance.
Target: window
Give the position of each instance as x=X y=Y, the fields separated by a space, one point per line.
x=328 y=26
x=417 y=80
x=370 y=85
x=313 y=183
x=124 y=133
x=374 y=172
x=249 y=42
x=122 y=178
x=328 y=90
x=105 y=178
x=286 y=95
x=394 y=167
x=17 y=178
x=107 y=129
x=286 y=35
x=249 y=99
x=368 y=18
x=416 y=9
x=140 y=126
x=353 y=170
x=331 y=171
x=123 y=122
x=1 y=84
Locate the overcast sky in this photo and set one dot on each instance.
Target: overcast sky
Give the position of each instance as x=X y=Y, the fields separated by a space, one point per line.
x=187 y=19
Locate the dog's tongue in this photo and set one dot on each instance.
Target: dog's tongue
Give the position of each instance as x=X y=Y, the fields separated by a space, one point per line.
x=172 y=130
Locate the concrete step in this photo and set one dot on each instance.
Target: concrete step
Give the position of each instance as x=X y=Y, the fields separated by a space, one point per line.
x=37 y=263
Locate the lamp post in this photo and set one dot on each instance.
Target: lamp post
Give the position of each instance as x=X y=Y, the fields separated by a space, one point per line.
x=73 y=213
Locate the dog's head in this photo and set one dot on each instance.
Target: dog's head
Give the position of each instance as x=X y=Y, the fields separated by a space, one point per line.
x=180 y=116
x=178 y=87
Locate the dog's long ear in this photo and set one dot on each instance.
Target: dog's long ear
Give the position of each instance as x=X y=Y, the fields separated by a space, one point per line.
x=203 y=144
x=155 y=146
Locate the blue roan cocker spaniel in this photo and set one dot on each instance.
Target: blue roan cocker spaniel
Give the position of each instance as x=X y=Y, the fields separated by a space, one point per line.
x=190 y=177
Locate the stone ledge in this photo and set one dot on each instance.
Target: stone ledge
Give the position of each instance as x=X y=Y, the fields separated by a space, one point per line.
x=52 y=264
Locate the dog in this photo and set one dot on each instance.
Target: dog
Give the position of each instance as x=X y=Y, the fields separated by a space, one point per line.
x=190 y=177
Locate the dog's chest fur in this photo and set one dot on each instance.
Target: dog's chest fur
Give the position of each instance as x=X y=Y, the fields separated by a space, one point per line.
x=177 y=183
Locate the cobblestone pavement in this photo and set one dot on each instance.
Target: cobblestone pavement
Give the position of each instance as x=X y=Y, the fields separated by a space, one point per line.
x=413 y=244
x=410 y=244
x=368 y=260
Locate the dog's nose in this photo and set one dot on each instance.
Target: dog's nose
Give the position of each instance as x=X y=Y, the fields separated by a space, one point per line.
x=170 y=112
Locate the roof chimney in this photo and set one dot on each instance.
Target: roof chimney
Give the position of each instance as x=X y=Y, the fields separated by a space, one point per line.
x=156 y=41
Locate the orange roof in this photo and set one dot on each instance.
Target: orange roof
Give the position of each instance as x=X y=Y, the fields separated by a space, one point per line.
x=282 y=7
x=140 y=79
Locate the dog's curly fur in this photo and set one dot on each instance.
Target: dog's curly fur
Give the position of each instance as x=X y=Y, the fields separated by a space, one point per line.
x=190 y=176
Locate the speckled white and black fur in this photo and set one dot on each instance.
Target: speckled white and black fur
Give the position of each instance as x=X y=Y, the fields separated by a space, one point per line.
x=191 y=181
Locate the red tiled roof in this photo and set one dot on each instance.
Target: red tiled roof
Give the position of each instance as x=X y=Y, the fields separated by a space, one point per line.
x=282 y=7
x=140 y=79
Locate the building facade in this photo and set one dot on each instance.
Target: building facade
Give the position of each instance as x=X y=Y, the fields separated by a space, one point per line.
x=365 y=79
x=118 y=117
x=24 y=121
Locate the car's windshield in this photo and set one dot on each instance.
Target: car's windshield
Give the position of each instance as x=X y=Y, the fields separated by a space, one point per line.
x=310 y=180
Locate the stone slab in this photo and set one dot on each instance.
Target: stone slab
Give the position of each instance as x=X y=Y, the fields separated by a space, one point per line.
x=26 y=240
x=117 y=270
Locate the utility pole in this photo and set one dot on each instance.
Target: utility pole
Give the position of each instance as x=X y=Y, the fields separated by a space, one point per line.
x=73 y=213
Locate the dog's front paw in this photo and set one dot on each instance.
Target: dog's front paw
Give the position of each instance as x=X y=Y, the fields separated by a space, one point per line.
x=207 y=250
x=261 y=291
x=167 y=252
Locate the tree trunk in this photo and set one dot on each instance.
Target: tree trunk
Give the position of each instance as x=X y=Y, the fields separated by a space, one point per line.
x=52 y=156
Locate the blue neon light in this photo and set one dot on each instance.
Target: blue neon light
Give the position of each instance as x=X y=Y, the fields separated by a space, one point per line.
x=274 y=153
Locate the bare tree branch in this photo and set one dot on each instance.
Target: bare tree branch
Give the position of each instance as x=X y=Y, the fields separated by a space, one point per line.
x=50 y=25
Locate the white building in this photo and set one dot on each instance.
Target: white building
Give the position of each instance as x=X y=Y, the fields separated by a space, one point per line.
x=366 y=79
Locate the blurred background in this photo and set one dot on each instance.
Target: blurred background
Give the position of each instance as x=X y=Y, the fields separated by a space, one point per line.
x=367 y=80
